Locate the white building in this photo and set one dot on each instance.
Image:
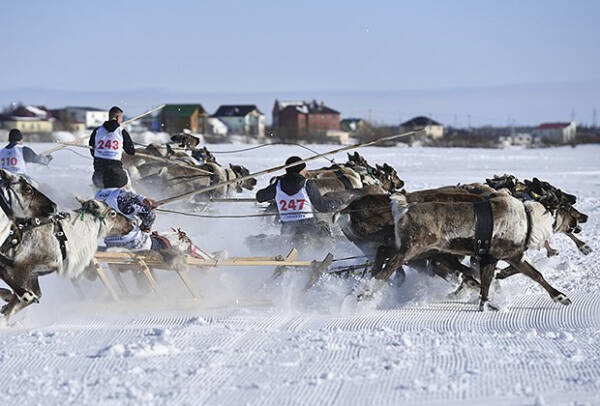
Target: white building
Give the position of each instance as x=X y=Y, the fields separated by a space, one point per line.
x=243 y=119
x=560 y=133
x=432 y=128
x=90 y=116
x=216 y=126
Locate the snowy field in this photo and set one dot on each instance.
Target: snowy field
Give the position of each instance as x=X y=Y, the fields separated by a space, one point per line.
x=254 y=341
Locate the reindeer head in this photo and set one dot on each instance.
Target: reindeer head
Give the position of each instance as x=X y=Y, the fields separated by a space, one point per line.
x=23 y=198
x=568 y=219
x=388 y=177
x=241 y=171
x=357 y=159
x=114 y=223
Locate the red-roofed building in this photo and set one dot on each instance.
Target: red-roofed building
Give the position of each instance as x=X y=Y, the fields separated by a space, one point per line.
x=303 y=120
x=559 y=132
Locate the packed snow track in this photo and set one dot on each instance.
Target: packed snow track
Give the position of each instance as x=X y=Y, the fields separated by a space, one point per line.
x=253 y=341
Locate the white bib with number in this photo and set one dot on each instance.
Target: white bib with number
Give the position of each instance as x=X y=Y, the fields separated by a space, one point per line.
x=11 y=159
x=109 y=145
x=294 y=207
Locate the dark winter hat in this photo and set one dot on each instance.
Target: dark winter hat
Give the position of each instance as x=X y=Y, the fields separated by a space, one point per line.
x=295 y=168
x=14 y=135
x=114 y=177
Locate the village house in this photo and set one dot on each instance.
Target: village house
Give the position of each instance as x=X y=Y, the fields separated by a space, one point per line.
x=174 y=118
x=75 y=118
x=304 y=120
x=242 y=119
x=556 y=133
x=28 y=119
x=353 y=125
x=432 y=128
x=217 y=127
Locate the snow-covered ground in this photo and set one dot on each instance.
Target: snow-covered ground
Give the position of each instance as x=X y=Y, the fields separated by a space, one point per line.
x=253 y=341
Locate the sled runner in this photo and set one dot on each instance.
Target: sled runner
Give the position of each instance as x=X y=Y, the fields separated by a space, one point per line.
x=149 y=261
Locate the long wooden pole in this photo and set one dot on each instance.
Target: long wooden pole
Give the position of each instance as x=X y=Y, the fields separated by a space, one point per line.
x=280 y=167
x=148 y=156
x=59 y=147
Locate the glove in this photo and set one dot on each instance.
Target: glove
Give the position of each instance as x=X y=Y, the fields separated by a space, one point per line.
x=150 y=203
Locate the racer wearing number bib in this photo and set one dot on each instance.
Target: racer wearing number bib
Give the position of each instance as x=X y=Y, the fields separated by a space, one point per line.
x=131 y=205
x=15 y=156
x=297 y=201
x=294 y=207
x=109 y=144
x=11 y=159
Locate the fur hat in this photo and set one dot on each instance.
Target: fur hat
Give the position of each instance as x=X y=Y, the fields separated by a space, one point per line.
x=15 y=135
x=296 y=168
x=114 y=177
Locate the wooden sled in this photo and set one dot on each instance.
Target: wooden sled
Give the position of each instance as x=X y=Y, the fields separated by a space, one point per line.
x=148 y=261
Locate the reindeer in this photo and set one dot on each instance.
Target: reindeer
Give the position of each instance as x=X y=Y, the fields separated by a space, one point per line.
x=420 y=230
x=178 y=179
x=20 y=202
x=65 y=245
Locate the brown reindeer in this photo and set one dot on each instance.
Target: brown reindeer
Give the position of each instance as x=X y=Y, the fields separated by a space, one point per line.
x=420 y=230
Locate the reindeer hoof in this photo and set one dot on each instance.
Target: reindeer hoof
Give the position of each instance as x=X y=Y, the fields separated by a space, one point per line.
x=485 y=306
x=361 y=297
x=562 y=299
x=27 y=296
x=585 y=249
x=5 y=294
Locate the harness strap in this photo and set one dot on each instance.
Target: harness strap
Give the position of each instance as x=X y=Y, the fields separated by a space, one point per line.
x=59 y=233
x=528 y=235
x=5 y=205
x=20 y=225
x=484 y=226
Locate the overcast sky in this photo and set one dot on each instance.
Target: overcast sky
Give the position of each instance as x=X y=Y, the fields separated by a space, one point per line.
x=254 y=46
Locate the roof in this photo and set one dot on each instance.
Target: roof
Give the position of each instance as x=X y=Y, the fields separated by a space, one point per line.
x=545 y=126
x=28 y=111
x=420 y=121
x=182 y=110
x=280 y=105
x=236 y=110
x=306 y=107
x=83 y=108
x=351 y=120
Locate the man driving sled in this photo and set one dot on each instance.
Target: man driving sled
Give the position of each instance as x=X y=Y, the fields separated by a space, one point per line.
x=15 y=156
x=133 y=206
x=297 y=199
x=107 y=144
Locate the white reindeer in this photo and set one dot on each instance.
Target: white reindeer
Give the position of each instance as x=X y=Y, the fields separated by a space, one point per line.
x=40 y=250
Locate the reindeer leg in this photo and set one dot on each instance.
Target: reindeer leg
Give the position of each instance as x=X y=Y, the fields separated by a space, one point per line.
x=507 y=272
x=380 y=258
x=16 y=303
x=488 y=266
x=18 y=284
x=527 y=269
x=581 y=246
x=550 y=252
x=394 y=263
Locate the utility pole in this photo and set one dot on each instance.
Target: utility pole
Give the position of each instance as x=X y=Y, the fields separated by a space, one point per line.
x=594 y=118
